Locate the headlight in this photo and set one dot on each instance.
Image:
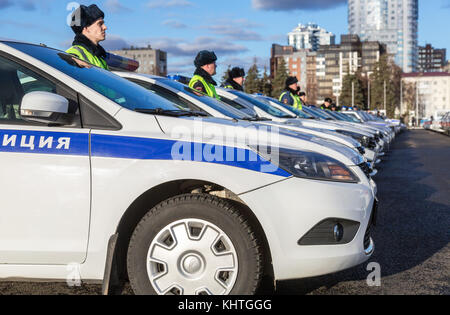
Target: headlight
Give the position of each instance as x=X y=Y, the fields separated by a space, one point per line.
x=365 y=141
x=315 y=166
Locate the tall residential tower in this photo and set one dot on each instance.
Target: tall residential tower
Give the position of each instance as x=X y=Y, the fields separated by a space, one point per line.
x=392 y=22
x=310 y=36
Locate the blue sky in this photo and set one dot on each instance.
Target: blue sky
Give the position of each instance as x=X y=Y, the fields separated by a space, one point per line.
x=238 y=30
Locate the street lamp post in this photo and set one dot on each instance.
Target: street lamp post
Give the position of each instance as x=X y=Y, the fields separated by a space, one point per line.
x=401 y=95
x=417 y=104
x=353 y=93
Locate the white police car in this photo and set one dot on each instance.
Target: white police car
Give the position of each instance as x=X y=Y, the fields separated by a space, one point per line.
x=99 y=173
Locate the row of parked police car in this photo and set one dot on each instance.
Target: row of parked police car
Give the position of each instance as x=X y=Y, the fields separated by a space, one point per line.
x=111 y=177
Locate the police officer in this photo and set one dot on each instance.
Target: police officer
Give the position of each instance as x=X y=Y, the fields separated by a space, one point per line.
x=327 y=104
x=303 y=98
x=236 y=78
x=206 y=67
x=89 y=27
x=290 y=95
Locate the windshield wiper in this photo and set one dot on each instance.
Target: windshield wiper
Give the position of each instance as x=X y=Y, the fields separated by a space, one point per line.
x=171 y=112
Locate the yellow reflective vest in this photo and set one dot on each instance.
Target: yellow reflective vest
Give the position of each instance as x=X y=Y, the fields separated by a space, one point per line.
x=210 y=89
x=297 y=101
x=83 y=54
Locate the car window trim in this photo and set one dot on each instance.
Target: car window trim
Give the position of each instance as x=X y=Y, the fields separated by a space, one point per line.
x=60 y=87
x=115 y=125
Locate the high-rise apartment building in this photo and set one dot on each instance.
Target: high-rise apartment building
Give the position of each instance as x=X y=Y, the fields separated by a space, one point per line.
x=334 y=62
x=310 y=36
x=392 y=22
x=431 y=59
x=151 y=61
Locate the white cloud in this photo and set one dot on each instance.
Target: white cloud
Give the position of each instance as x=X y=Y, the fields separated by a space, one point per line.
x=286 y=5
x=174 y=24
x=161 y=4
x=114 y=6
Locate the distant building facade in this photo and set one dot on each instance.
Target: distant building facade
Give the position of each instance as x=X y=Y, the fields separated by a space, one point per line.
x=310 y=37
x=433 y=93
x=321 y=73
x=296 y=62
x=151 y=61
x=334 y=62
x=311 y=77
x=391 y=22
x=431 y=59
x=277 y=52
x=446 y=68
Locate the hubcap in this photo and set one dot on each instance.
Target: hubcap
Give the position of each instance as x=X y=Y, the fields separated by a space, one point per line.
x=192 y=264
x=192 y=257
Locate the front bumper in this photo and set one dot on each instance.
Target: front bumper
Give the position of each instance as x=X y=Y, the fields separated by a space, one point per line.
x=371 y=155
x=290 y=209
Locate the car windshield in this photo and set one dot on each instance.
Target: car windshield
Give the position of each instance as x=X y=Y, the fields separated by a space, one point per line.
x=346 y=117
x=310 y=112
x=364 y=117
x=372 y=117
x=320 y=113
x=352 y=117
x=267 y=108
x=335 y=115
x=293 y=110
x=219 y=106
x=340 y=116
x=113 y=87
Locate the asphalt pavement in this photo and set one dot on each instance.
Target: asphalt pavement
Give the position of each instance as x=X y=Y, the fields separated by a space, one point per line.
x=412 y=236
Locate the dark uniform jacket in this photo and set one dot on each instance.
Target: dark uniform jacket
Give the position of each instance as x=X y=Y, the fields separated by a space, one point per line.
x=286 y=97
x=198 y=85
x=231 y=84
x=81 y=40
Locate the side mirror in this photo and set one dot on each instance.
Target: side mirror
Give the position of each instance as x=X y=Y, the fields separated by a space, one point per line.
x=44 y=107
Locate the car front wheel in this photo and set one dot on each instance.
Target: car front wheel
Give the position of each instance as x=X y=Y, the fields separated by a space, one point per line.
x=194 y=244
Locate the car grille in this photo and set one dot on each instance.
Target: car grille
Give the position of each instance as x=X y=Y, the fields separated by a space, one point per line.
x=367 y=237
x=372 y=224
x=366 y=169
x=377 y=138
x=361 y=150
x=372 y=143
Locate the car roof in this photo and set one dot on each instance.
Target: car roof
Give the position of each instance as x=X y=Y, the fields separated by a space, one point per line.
x=9 y=40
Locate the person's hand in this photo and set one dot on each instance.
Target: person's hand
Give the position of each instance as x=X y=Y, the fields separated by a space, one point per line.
x=81 y=63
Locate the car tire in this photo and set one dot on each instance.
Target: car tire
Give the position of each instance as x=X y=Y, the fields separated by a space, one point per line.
x=169 y=252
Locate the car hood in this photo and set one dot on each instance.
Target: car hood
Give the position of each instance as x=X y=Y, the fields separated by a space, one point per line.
x=245 y=135
x=319 y=132
x=327 y=125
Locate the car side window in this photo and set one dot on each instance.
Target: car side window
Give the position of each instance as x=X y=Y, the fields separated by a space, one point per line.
x=16 y=81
